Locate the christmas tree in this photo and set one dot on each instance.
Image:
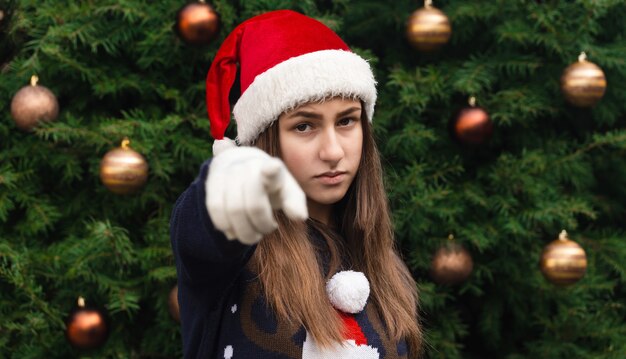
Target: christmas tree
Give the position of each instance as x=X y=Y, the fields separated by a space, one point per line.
x=118 y=70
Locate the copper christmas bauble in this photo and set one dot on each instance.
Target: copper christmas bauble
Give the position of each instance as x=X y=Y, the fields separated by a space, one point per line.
x=123 y=170
x=197 y=23
x=471 y=126
x=32 y=104
x=583 y=83
x=86 y=328
x=172 y=302
x=563 y=262
x=428 y=29
x=451 y=264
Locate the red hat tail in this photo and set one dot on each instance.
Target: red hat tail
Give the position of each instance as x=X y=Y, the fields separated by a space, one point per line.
x=352 y=329
x=219 y=81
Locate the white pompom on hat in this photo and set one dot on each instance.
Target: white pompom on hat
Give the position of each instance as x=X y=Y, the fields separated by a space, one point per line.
x=284 y=59
x=348 y=291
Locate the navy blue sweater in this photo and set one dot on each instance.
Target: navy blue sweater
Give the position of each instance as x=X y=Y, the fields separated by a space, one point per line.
x=223 y=312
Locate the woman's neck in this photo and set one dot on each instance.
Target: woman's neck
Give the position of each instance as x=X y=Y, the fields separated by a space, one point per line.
x=321 y=213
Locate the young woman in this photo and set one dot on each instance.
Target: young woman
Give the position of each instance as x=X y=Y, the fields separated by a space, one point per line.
x=284 y=245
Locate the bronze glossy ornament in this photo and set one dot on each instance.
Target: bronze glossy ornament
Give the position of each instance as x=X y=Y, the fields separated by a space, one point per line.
x=428 y=28
x=583 y=83
x=32 y=104
x=123 y=170
x=172 y=302
x=452 y=264
x=471 y=125
x=563 y=262
x=86 y=328
x=197 y=23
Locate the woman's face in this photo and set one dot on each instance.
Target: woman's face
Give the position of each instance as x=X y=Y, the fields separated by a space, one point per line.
x=321 y=145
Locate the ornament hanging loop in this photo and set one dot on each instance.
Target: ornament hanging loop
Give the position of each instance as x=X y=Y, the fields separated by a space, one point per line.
x=563 y=235
x=582 y=57
x=472 y=101
x=450 y=237
x=81 y=302
x=33 y=80
x=428 y=4
x=125 y=143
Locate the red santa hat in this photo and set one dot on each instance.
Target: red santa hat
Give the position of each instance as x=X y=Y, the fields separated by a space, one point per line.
x=348 y=292
x=285 y=59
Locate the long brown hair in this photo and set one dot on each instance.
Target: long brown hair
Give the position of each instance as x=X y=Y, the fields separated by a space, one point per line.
x=290 y=271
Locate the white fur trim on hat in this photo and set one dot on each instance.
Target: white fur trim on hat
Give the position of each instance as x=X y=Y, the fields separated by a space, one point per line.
x=310 y=77
x=348 y=349
x=348 y=291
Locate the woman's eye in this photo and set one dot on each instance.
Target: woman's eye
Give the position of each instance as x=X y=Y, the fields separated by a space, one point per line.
x=346 y=121
x=302 y=127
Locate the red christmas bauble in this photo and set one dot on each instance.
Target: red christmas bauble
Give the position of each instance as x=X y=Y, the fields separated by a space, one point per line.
x=172 y=302
x=471 y=126
x=86 y=328
x=197 y=23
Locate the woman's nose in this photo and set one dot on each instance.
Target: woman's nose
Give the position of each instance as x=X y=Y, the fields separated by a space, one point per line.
x=330 y=147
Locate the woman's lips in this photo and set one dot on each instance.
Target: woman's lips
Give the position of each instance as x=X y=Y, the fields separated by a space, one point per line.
x=332 y=179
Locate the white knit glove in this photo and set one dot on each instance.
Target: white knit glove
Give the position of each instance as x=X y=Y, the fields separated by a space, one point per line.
x=244 y=184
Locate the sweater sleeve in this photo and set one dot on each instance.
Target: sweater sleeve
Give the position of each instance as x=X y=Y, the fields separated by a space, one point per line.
x=207 y=264
x=204 y=256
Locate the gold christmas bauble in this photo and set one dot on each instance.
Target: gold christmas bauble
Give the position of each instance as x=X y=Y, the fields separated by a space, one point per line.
x=32 y=104
x=563 y=262
x=172 y=302
x=583 y=83
x=428 y=29
x=197 y=23
x=86 y=328
x=451 y=264
x=123 y=170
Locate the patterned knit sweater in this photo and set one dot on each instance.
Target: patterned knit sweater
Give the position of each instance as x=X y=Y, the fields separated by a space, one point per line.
x=222 y=309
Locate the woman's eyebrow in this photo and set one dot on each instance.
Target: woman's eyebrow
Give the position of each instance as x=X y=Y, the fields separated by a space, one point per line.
x=318 y=116
x=306 y=114
x=348 y=111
